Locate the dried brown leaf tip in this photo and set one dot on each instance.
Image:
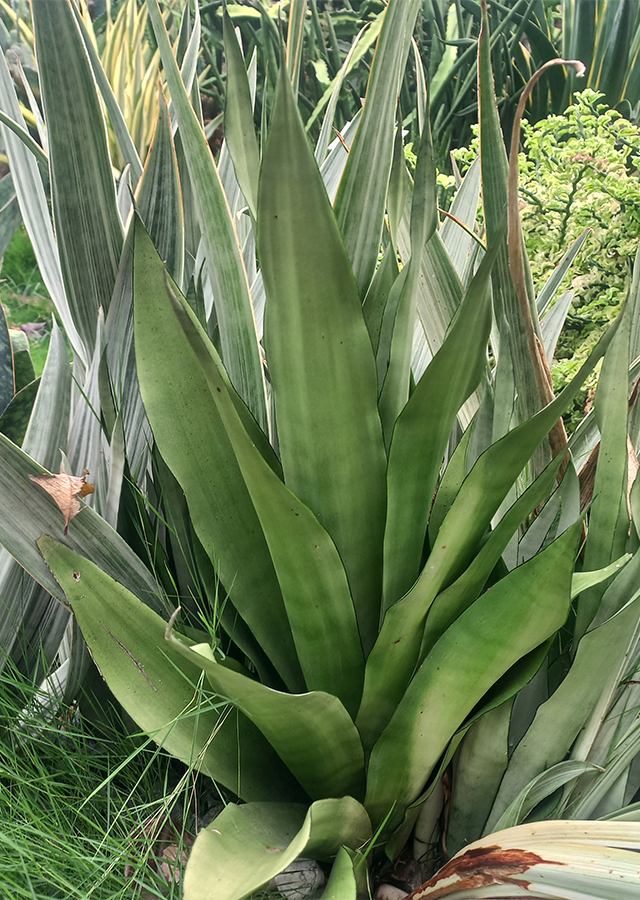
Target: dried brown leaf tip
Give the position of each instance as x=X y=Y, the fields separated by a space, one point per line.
x=65 y=490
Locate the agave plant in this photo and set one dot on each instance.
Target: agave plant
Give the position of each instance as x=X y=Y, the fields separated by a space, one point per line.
x=354 y=568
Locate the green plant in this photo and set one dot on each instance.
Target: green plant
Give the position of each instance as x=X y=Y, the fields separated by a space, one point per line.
x=291 y=429
x=579 y=185
x=79 y=796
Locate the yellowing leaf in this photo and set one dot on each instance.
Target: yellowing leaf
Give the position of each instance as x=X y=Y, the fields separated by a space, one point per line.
x=64 y=490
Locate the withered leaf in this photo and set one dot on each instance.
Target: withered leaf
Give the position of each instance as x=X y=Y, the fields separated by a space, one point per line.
x=65 y=490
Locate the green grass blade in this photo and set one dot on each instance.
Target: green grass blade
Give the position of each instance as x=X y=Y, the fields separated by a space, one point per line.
x=234 y=309
x=320 y=360
x=157 y=687
x=88 y=228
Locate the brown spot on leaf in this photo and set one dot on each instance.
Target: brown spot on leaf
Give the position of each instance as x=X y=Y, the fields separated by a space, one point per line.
x=76 y=576
x=480 y=867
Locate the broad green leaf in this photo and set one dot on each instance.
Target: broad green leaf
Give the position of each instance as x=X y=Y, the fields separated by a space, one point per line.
x=559 y=721
x=312 y=733
x=392 y=660
x=320 y=360
x=609 y=515
x=362 y=195
x=422 y=431
x=88 y=229
x=479 y=767
x=158 y=688
x=505 y=624
x=457 y=597
x=234 y=309
x=193 y=442
x=239 y=130
x=245 y=846
x=464 y=207
x=581 y=581
x=342 y=880
x=309 y=570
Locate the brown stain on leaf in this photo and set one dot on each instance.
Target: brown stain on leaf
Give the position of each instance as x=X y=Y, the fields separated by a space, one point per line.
x=65 y=490
x=481 y=867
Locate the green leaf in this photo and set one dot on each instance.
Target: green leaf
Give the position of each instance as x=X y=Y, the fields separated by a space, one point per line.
x=192 y=439
x=362 y=196
x=308 y=567
x=157 y=687
x=7 y=381
x=245 y=846
x=88 y=228
x=159 y=201
x=125 y=142
x=481 y=762
x=559 y=721
x=239 y=130
x=493 y=160
x=312 y=733
x=609 y=515
x=342 y=880
x=234 y=309
x=29 y=511
x=396 y=343
x=505 y=624
x=15 y=419
x=320 y=360
x=392 y=660
x=35 y=210
x=422 y=431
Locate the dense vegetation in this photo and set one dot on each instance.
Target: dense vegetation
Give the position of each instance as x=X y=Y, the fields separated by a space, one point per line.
x=318 y=531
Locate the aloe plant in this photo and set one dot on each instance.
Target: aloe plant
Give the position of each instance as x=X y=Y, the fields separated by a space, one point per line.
x=377 y=592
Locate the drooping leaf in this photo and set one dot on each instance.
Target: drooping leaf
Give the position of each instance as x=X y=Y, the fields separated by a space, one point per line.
x=158 y=688
x=271 y=836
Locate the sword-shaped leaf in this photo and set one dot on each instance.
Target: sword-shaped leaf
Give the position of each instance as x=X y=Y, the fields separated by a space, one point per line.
x=507 y=622
x=320 y=360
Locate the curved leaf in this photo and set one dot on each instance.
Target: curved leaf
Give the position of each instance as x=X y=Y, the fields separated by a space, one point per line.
x=247 y=845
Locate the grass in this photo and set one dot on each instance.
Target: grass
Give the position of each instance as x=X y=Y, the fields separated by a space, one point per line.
x=74 y=801
x=23 y=294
